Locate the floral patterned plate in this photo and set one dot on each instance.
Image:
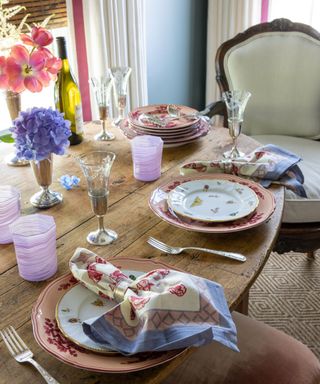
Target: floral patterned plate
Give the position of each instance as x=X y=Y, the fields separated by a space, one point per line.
x=160 y=111
x=213 y=200
x=159 y=205
x=79 y=304
x=51 y=339
x=203 y=130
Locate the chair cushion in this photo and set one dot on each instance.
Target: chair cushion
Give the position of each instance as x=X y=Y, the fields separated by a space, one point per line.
x=298 y=209
x=267 y=356
x=281 y=70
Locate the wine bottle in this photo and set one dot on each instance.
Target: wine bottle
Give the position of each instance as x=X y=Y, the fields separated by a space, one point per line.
x=67 y=95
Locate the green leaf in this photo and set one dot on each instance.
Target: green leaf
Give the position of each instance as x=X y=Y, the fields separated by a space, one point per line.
x=7 y=138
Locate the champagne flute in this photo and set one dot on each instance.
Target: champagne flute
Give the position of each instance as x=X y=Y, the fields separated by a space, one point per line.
x=120 y=76
x=102 y=90
x=96 y=167
x=236 y=102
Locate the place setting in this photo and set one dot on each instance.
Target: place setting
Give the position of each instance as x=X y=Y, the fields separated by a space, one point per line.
x=111 y=316
x=212 y=203
x=175 y=125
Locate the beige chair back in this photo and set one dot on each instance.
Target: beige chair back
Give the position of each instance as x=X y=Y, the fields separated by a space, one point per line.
x=279 y=63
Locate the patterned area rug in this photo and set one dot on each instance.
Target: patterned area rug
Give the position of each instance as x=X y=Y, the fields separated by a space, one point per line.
x=287 y=296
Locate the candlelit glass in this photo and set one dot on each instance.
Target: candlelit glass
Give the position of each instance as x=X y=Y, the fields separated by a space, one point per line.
x=235 y=102
x=96 y=167
x=102 y=90
x=120 y=76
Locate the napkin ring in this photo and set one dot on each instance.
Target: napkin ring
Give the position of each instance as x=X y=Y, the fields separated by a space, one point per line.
x=120 y=290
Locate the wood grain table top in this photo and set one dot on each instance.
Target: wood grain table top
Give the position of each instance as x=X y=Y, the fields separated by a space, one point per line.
x=130 y=216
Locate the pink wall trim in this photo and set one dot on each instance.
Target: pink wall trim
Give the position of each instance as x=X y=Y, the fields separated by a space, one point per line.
x=82 y=58
x=264 y=10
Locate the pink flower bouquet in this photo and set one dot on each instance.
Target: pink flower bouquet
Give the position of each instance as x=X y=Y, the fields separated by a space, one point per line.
x=31 y=68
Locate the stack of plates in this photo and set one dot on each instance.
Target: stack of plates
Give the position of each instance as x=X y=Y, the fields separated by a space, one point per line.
x=217 y=203
x=154 y=120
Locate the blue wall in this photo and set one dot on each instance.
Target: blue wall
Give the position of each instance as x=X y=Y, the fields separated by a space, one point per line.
x=176 y=51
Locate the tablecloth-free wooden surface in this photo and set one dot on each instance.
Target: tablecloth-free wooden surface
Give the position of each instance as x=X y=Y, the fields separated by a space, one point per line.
x=130 y=216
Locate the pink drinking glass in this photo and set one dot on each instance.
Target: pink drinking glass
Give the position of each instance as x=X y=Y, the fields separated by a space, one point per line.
x=9 y=211
x=34 y=238
x=146 y=157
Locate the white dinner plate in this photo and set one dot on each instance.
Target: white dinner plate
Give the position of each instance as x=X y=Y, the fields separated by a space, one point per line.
x=79 y=304
x=213 y=200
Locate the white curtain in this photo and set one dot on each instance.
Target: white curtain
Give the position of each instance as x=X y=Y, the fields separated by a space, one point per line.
x=302 y=11
x=115 y=36
x=226 y=18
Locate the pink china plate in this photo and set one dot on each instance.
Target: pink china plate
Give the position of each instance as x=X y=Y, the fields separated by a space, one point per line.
x=158 y=204
x=203 y=130
x=50 y=338
x=163 y=133
x=160 y=110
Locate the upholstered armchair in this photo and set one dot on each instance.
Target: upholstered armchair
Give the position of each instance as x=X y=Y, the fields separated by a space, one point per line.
x=279 y=63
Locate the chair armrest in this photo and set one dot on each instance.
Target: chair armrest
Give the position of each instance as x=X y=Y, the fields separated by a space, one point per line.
x=215 y=108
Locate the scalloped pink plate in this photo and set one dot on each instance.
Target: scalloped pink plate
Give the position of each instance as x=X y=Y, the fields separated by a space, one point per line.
x=160 y=110
x=203 y=130
x=50 y=338
x=158 y=204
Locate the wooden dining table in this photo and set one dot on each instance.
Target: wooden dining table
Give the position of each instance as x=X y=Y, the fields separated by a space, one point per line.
x=130 y=216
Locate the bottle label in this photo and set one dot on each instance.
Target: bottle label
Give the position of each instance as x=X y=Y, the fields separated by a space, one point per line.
x=79 y=119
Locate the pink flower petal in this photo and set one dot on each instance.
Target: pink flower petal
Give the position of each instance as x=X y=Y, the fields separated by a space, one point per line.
x=46 y=52
x=4 y=81
x=26 y=39
x=41 y=36
x=20 y=54
x=13 y=69
x=54 y=65
x=37 y=60
x=3 y=62
x=17 y=84
x=33 y=84
x=44 y=77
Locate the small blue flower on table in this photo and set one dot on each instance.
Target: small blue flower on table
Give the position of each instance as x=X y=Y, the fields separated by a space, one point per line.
x=68 y=182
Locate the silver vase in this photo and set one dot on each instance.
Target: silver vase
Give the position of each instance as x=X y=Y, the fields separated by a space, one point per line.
x=13 y=101
x=45 y=198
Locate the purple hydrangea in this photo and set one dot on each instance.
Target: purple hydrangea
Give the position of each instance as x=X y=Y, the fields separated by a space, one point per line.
x=39 y=132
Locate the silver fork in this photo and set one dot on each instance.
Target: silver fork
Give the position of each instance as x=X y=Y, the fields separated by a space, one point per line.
x=22 y=353
x=176 y=250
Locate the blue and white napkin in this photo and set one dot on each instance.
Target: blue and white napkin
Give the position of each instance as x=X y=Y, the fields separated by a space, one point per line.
x=267 y=164
x=161 y=310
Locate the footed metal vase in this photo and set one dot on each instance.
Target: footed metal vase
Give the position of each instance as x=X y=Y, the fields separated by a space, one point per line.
x=43 y=171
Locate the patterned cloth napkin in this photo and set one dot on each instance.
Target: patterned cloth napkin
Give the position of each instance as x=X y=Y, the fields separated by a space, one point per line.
x=267 y=164
x=160 y=310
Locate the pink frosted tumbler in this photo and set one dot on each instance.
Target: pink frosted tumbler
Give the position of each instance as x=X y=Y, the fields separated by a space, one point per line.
x=34 y=238
x=9 y=211
x=147 y=156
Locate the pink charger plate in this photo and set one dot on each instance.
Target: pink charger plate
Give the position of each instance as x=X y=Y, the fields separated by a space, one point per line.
x=50 y=338
x=266 y=206
x=160 y=110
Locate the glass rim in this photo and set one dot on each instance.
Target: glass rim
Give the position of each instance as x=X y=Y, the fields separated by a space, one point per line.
x=81 y=158
x=229 y=92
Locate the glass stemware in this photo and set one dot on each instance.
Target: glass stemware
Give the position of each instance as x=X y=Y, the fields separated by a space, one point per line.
x=102 y=90
x=235 y=102
x=96 y=167
x=120 y=76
